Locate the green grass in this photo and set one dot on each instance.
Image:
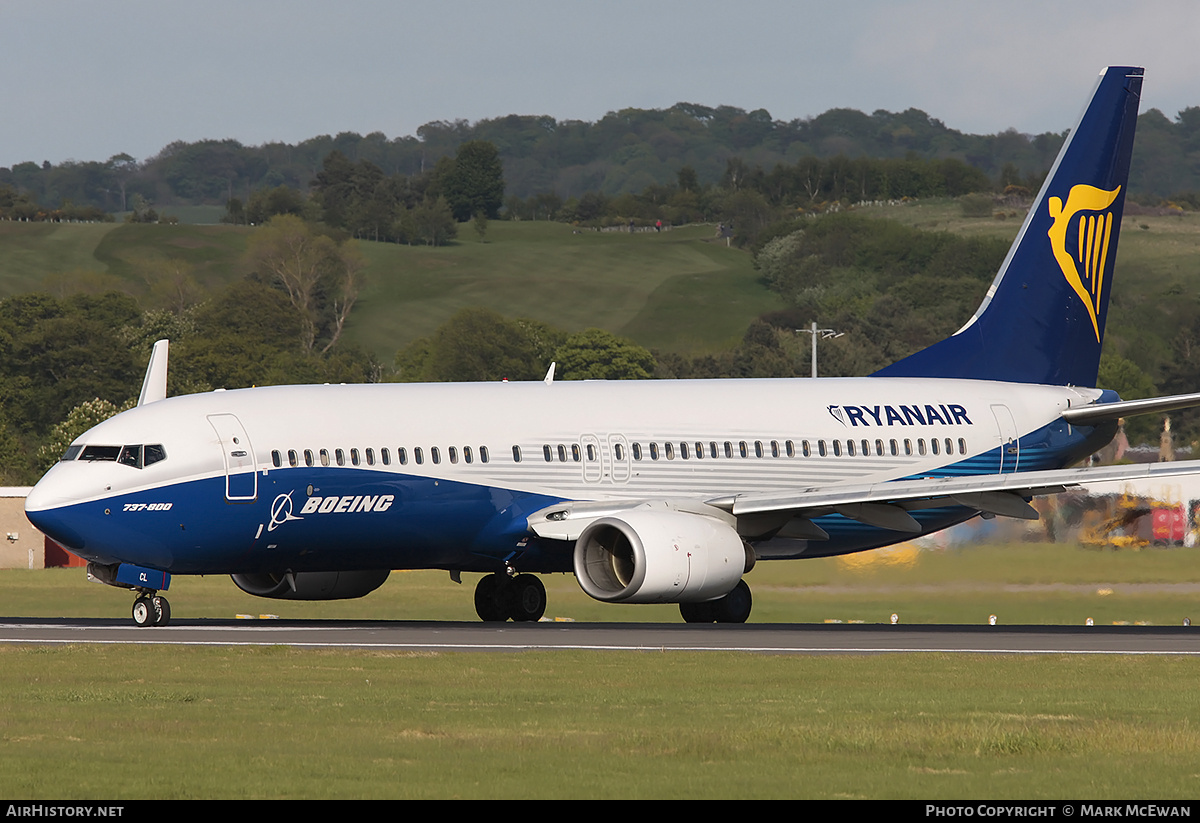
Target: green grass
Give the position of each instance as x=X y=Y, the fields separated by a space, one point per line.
x=158 y=722
x=123 y=722
x=676 y=290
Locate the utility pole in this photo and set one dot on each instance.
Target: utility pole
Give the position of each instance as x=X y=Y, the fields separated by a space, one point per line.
x=825 y=334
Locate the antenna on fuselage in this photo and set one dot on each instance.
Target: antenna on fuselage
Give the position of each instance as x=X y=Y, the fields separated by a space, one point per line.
x=154 y=386
x=549 y=378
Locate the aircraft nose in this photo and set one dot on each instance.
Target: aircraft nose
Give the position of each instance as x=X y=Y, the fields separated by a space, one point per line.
x=46 y=508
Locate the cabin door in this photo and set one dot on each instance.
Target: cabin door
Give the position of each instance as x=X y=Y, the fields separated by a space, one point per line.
x=1010 y=447
x=241 y=475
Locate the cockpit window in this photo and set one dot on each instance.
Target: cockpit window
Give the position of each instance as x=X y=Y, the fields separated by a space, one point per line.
x=105 y=453
x=136 y=456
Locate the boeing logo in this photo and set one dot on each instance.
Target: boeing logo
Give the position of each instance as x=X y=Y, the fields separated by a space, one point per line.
x=915 y=415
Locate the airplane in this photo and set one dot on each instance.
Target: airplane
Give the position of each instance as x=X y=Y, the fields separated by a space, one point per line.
x=653 y=491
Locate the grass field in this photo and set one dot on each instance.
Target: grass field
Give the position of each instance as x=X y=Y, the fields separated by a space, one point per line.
x=162 y=722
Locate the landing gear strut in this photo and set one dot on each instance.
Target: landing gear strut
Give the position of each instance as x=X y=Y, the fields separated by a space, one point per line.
x=732 y=608
x=151 y=609
x=499 y=597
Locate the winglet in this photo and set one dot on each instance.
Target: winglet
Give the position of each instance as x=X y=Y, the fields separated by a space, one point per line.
x=154 y=386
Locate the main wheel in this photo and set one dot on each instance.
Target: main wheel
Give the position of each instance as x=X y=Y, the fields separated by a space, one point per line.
x=697 y=612
x=491 y=598
x=734 y=607
x=143 y=612
x=527 y=601
x=162 y=611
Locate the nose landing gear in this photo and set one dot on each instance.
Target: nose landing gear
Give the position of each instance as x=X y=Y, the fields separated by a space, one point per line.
x=151 y=609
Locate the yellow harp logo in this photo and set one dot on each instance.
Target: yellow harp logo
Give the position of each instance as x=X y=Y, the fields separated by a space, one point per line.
x=1083 y=265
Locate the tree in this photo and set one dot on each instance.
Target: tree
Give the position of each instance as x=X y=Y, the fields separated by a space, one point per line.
x=475 y=183
x=320 y=275
x=599 y=355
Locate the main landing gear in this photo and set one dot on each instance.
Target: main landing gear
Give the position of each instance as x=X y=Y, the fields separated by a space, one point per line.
x=151 y=609
x=732 y=608
x=499 y=597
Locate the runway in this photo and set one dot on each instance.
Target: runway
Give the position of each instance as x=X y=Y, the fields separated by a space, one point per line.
x=515 y=638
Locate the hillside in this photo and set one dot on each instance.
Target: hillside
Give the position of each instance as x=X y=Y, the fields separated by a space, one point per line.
x=678 y=290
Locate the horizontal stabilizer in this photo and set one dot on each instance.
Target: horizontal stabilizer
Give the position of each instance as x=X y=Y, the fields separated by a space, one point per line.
x=1099 y=412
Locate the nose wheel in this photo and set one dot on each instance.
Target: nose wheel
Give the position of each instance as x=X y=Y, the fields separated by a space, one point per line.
x=151 y=610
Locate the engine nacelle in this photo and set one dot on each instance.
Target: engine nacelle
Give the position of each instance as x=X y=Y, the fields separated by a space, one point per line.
x=311 y=585
x=657 y=556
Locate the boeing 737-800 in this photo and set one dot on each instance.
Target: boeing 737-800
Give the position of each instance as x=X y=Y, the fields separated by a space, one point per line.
x=648 y=491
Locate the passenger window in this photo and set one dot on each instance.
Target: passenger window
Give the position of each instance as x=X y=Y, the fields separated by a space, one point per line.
x=591 y=452
x=619 y=451
x=453 y=454
x=805 y=449
x=837 y=448
x=483 y=454
x=435 y=454
x=467 y=456
x=562 y=453
x=324 y=457
x=386 y=456
x=293 y=458
x=276 y=458
x=354 y=456
x=670 y=450
x=546 y=453
x=340 y=456
x=637 y=451
x=308 y=457
x=516 y=454
x=575 y=453
x=850 y=448
x=962 y=446
x=728 y=449
x=418 y=455
x=758 y=448
x=653 y=451
x=370 y=454
x=743 y=449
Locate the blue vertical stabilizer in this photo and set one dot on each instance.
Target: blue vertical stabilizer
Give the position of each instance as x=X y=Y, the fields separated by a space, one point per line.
x=1042 y=320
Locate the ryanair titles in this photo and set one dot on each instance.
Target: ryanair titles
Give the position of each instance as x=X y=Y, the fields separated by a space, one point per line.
x=942 y=414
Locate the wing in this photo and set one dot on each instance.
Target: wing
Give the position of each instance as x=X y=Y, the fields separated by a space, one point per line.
x=885 y=505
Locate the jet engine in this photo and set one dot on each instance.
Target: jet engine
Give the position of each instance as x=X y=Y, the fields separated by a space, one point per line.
x=657 y=556
x=311 y=585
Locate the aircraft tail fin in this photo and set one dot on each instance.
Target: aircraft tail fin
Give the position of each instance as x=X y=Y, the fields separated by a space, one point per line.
x=1042 y=320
